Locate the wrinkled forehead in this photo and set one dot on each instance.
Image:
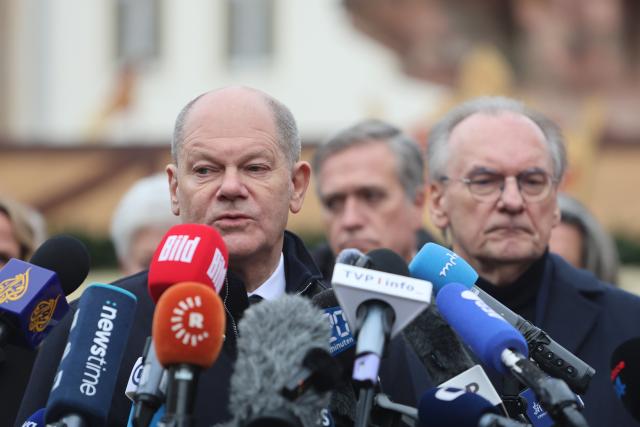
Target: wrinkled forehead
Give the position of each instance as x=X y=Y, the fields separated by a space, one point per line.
x=505 y=142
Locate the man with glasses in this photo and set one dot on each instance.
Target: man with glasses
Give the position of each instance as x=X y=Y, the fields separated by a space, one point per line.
x=494 y=170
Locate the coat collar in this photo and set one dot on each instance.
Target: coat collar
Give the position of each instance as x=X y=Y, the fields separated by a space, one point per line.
x=565 y=308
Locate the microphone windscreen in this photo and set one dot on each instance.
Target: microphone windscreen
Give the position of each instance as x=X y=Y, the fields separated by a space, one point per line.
x=479 y=326
x=36 y=419
x=68 y=257
x=447 y=407
x=188 y=253
x=31 y=302
x=625 y=375
x=88 y=370
x=188 y=325
x=388 y=261
x=275 y=336
x=349 y=256
x=441 y=266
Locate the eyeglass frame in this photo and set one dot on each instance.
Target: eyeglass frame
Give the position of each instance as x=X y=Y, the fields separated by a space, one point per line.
x=498 y=194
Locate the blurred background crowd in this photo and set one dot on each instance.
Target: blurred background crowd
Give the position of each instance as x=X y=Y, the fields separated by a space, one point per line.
x=90 y=91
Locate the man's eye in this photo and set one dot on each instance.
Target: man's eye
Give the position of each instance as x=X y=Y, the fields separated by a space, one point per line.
x=257 y=168
x=333 y=204
x=485 y=180
x=372 y=196
x=202 y=170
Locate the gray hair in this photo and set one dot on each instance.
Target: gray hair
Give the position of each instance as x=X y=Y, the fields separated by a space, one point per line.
x=410 y=164
x=598 y=253
x=146 y=203
x=289 y=137
x=437 y=149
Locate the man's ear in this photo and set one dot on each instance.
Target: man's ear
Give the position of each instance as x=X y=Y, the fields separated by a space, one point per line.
x=300 y=177
x=417 y=204
x=172 y=175
x=437 y=205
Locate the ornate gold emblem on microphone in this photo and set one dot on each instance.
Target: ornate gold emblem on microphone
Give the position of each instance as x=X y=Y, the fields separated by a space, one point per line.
x=13 y=288
x=42 y=314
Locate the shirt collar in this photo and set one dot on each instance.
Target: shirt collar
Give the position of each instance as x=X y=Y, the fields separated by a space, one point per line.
x=274 y=286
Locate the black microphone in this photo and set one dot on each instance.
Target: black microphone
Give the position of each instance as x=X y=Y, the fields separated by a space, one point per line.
x=275 y=339
x=83 y=386
x=441 y=266
x=33 y=294
x=625 y=375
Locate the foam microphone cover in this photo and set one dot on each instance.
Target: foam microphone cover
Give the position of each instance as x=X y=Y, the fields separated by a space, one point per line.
x=68 y=257
x=437 y=345
x=448 y=407
x=274 y=339
x=188 y=325
x=441 y=266
x=88 y=370
x=625 y=375
x=31 y=303
x=387 y=261
x=188 y=253
x=481 y=328
x=36 y=419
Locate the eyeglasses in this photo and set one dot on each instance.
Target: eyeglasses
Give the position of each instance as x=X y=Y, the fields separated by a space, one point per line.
x=534 y=186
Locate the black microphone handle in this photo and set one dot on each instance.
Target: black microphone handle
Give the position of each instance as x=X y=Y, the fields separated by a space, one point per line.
x=554 y=359
x=181 y=393
x=5 y=333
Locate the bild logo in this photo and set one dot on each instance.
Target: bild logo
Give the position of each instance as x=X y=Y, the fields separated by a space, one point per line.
x=179 y=248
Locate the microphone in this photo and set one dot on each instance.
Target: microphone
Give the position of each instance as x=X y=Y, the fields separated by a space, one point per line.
x=35 y=420
x=625 y=375
x=445 y=407
x=150 y=393
x=378 y=304
x=188 y=330
x=83 y=386
x=501 y=346
x=352 y=256
x=32 y=294
x=188 y=253
x=275 y=338
x=442 y=266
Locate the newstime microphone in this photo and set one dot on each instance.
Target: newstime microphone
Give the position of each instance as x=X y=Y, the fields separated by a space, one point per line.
x=188 y=330
x=275 y=339
x=33 y=294
x=442 y=266
x=84 y=384
x=501 y=346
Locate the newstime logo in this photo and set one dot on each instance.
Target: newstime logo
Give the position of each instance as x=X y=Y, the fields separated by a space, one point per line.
x=187 y=321
x=96 y=362
x=179 y=247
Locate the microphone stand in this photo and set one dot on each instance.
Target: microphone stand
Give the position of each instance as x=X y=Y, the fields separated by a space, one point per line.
x=181 y=393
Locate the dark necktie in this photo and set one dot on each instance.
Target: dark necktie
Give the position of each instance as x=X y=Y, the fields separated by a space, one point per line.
x=254 y=299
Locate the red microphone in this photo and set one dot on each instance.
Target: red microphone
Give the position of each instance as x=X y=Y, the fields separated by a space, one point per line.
x=188 y=331
x=188 y=253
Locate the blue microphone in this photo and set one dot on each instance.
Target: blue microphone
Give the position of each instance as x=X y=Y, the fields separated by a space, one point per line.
x=500 y=345
x=442 y=266
x=445 y=407
x=32 y=294
x=479 y=326
x=35 y=420
x=83 y=386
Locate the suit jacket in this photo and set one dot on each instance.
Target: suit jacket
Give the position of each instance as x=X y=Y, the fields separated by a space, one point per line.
x=589 y=318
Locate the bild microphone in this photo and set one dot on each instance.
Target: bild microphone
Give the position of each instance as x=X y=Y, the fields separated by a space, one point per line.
x=33 y=294
x=275 y=339
x=188 y=330
x=501 y=346
x=442 y=266
x=188 y=253
x=625 y=375
x=84 y=384
x=447 y=407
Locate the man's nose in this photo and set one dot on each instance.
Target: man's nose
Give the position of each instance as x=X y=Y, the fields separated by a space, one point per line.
x=511 y=198
x=352 y=215
x=232 y=186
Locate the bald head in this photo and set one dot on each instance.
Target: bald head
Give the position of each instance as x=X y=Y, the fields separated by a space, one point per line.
x=236 y=102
